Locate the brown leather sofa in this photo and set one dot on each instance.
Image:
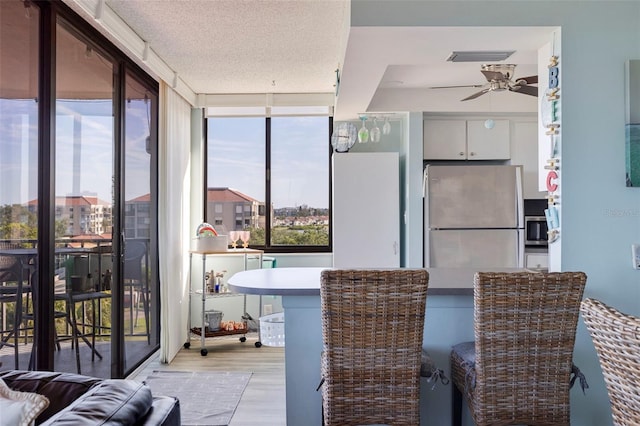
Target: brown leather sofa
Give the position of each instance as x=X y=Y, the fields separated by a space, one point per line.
x=82 y=400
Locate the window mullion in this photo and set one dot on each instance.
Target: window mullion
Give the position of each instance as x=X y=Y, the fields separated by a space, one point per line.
x=267 y=202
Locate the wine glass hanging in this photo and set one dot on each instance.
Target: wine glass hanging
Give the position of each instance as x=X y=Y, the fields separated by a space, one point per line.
x=363 y=133
x=374 y=133
x=386 y=127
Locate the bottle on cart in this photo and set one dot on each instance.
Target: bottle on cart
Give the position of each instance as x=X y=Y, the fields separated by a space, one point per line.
x=209 y=276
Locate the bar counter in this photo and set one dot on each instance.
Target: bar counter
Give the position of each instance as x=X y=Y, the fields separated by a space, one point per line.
x=449 y=320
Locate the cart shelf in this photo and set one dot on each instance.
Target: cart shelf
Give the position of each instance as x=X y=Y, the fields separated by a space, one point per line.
x=203 y=295
x=207 y=333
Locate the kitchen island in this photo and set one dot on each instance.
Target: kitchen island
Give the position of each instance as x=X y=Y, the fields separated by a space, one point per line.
x=300 y=291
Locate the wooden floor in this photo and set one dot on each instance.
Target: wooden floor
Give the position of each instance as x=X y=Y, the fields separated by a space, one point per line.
x=263 y=401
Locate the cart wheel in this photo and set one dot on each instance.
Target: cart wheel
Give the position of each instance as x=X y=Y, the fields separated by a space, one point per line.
x=258 y=344
x=187 y=345
x=203 y=352
x=243 y=339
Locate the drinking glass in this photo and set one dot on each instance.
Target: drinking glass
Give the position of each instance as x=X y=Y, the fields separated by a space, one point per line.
x=386 y=127
x=363 y=133
x=233 y=235
x=244 y=236
x=374 y=133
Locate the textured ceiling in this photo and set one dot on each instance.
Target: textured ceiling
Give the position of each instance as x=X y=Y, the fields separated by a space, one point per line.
x=243 y=46
x=295 y=46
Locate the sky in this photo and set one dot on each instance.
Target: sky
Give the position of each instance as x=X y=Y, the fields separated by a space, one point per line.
x=84 y=168
x=299 y=158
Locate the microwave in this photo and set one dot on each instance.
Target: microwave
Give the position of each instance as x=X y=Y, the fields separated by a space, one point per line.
x=535 y=228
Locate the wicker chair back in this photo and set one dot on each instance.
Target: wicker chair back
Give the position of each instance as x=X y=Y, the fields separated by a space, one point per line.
x=372 y=326
x=525 y=327
x=616 y=337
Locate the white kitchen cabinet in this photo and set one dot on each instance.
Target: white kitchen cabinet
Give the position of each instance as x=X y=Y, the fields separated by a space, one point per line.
x=366 y=212
x=536 y=261
x=524 y=152
x=458 y=139
x=488 y=142
x=445 y=139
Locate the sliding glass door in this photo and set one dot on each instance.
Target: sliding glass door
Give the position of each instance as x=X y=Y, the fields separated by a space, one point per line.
x=78 y=190
x=19 y=128
x=84 y=200
x=140 y=302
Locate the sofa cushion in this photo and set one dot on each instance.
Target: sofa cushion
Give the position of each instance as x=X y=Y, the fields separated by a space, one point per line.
x=164 y=411
x=61 y=389
x=20 y=408
x=111 y=402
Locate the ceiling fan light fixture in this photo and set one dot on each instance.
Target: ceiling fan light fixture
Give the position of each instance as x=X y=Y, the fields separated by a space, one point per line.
x=480 y=55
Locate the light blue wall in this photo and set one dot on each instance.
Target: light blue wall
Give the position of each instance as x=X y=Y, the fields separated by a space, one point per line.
x=600 y=216
x=413 y=206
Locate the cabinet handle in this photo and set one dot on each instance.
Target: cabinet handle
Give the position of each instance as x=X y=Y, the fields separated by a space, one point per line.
x=472 y=153
x=461 y=153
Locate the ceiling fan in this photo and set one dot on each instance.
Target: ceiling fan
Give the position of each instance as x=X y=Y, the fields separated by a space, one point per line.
x=499 y=78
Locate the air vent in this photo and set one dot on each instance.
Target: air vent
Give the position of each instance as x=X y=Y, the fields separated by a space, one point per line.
x=480 y=56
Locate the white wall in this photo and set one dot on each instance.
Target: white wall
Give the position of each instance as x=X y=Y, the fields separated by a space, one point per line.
x=600 y=216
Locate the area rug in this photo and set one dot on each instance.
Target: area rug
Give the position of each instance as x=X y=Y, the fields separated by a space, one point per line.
x=206 y=398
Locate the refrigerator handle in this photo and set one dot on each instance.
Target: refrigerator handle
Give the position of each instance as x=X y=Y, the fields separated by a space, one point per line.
x=424 y=182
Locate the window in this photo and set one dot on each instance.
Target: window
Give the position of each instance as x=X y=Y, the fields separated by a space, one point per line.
x=271 y=177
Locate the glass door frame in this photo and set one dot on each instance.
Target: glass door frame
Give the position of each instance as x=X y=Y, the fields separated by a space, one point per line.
x=50 y=13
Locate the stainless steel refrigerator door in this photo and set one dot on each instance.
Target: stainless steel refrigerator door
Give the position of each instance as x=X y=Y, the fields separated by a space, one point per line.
x=474 y=248
x=473 y=197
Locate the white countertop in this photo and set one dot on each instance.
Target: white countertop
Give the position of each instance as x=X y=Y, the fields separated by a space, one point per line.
x=306 y=281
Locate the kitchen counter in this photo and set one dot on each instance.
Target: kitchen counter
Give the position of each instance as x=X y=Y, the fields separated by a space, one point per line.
x=306 y=281
x=449 y=320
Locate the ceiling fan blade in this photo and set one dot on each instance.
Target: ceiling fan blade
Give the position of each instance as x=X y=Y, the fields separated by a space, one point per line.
x=475 y=95
x=532 y=79
x=455 y=87
x=493 y=75
x=525 y=90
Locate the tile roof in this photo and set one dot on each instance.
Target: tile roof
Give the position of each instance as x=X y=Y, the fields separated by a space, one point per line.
x=227 y=195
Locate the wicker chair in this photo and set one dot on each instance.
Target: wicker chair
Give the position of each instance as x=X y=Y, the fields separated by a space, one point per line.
x=616 y=337
x=372 y=325
x=12 y=292
x=519 y=369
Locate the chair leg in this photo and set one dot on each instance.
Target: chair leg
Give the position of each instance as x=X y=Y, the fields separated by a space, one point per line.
x=145 y=306
x=17 y=323
x=456 y=406
x=131 y=308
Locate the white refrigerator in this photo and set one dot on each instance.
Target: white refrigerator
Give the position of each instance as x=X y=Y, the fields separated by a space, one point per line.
x=366 y=210
x=474 y=216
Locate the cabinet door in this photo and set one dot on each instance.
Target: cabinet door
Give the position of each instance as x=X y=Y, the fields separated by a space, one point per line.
x=524 y=151
x=445 y=140
x=488 y=143
x=537 y=261
x=366 y=212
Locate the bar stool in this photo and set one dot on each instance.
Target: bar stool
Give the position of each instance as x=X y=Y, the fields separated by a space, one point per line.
x=372 y=326
x=616 y=337
x=11 y=293
x=519 y=368
x=135 y=277
x=30 y=316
